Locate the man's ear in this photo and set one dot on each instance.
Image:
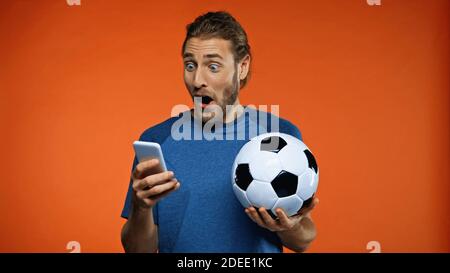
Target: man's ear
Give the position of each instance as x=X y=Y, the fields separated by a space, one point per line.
x=243 y=67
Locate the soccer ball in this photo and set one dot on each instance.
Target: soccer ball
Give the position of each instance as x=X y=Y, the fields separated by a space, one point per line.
x=275 y=170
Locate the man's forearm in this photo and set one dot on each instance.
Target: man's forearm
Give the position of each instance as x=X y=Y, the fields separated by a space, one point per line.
x=299 y=238
x=140 y=234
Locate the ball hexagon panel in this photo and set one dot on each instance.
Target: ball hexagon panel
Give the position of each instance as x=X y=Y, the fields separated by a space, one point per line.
x=307 y=185
x=291 y=205
x=292 y=159
x=246 y=153
x=261 y=194
x=265 y=167
x=241 y=196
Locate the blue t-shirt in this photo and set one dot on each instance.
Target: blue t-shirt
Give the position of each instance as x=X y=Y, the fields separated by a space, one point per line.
x=204 y=215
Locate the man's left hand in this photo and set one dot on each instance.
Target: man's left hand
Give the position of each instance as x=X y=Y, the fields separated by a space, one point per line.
x=283 y=223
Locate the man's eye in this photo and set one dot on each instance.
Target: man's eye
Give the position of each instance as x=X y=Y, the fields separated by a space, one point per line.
x=189 y=67
x=214 y=67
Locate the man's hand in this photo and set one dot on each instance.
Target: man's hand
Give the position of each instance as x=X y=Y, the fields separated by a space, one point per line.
x=150 y=184
x=263 y=218
x=296 y=231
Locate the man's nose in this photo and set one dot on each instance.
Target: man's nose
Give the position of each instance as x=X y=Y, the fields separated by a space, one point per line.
x=199 y=79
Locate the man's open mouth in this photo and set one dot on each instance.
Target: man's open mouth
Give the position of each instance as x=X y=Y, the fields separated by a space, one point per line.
x=206 y=100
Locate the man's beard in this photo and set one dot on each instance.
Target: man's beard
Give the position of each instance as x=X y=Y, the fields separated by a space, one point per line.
x=233 y=92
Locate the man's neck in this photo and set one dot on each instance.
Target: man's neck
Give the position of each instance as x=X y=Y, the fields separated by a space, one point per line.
x=236 y=110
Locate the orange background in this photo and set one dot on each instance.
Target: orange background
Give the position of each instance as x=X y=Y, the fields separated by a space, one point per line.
x=368 y=86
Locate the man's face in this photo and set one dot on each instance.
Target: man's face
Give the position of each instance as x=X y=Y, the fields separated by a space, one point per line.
x=210 y=72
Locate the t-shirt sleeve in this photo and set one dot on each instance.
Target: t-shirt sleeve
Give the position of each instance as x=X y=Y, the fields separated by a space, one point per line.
x=127 y=206
x=128 y=200
x=287 y=127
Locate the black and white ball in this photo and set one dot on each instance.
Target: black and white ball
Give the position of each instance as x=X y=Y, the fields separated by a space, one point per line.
x=275 y=170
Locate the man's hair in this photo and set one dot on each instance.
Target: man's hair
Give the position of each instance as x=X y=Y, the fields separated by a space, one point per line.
x=220 y=24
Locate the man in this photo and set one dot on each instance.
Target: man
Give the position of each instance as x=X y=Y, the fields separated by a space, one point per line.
x=192 y=208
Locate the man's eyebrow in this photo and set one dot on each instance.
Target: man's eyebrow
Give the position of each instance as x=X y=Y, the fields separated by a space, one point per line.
x=209 y=56
x=187 y=55
x=213 y=56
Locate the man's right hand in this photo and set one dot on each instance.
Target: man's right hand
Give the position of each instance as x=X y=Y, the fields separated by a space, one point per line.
x=150 y=183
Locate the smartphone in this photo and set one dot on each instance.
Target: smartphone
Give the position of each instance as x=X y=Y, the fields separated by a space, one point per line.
x=148 y=150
